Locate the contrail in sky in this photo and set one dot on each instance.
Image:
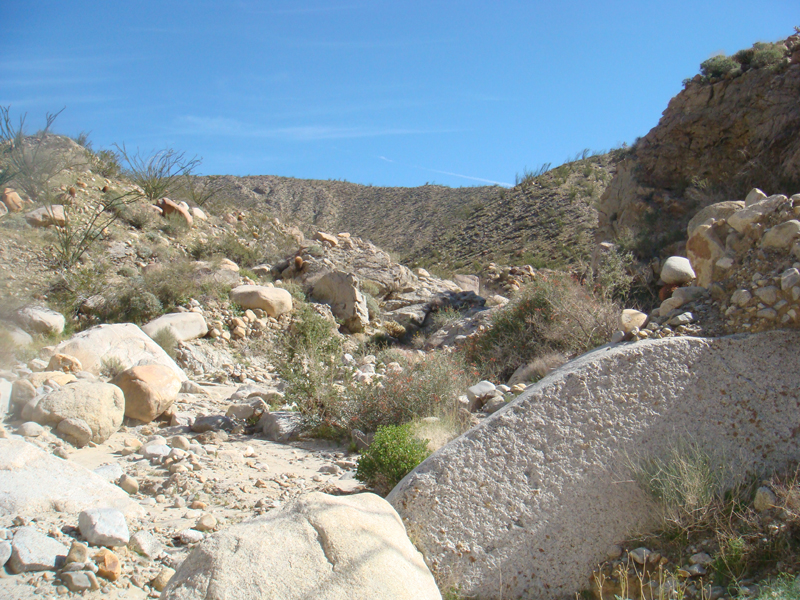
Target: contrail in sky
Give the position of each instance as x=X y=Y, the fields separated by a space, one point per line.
x=508 y=185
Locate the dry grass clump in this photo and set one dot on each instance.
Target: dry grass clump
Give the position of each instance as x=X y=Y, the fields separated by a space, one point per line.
x=705 y=508
x=554 y=313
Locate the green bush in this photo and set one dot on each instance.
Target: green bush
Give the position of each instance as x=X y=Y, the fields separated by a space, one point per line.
x=554 y=313
x=718 y=66
x=393 y=454
x=765 y=55
x=231 y=247
x=428 y=388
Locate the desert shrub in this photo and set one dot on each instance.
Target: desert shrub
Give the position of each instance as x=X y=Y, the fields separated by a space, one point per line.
x=613 y=279
x=173 y=225
x=372 y=307
x=393 y=454
x=686 y=482
x=444 y=317
x=231 y=247
x=370 y=287
x=307 y=357
x=765 y=55
x=394 y=329
x=427 y=388
x=106 y=163
x=718 y=66
x=554 y=313
x=785 y=587
x=134 y=305
x=294 y=289
x=165 y=338
x=7 y=353
x=139 y=216
x=111 y=366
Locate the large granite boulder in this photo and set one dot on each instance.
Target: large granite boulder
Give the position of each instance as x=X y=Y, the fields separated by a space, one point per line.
x=38 y=319
x=100 y=405
x=526 y=503
x=122 y=341
x=33 y=482
x=184 y=326
x=322 y=547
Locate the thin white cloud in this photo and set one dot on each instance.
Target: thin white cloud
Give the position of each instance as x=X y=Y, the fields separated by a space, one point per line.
x=223 y=126
x=469 y=177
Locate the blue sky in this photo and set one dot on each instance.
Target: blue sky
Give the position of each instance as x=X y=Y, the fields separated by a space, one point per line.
x=384 y=93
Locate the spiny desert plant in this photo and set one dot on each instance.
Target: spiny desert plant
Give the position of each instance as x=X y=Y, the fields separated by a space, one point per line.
x=158 y=173
x=393 y=454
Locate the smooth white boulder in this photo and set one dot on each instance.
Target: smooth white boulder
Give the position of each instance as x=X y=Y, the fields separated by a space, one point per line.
x=322 y=547
x=122 y=341
x=184 y=326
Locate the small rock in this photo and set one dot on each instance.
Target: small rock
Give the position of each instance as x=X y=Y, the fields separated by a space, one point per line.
x=104 y=527
x=80 y=581
x=639 y=555
x=78 y=553
x=160 y=581
x=191 y=536
x=108 y=564
x=110 y=472
x=631 y=318
x=129 y=484
x=30 y=429
x=765 y=499
x=206 y=523
x=212 y=423
x=146 y=544
x=32 y=550
x=701 y=558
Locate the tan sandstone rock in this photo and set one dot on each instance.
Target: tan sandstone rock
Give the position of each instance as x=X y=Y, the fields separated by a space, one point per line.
x=275 y=301
x=149 y=391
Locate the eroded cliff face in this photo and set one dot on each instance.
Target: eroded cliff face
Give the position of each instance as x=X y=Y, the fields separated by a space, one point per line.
x=716 y=140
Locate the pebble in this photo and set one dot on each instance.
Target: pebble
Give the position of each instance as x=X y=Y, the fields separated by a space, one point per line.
x=180 y=442
x=30 y=429
x=80 y=581
x=78 y=553
x=191 y=536
x=108 y=564
x=160 y=581
x=146 y=544
x=129 y=484
x=206 y=523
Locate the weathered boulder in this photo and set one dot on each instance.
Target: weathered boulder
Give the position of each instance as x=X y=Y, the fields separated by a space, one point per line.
x=46 y=216
x=280 y=426
x=275 y=301
x=149 y=390
x=122 y=341
x=100 y=405
x=184 y=326
x=526 y=503
x=677 y=270
x=322 y=547
x=468 y=283
x=340 y=291
x=65 y=363
x=12 y=200
x=169 y=207
x=718 y=211
x=704 y=249
x=33 y=482
x=104 y=527
x=38 y=319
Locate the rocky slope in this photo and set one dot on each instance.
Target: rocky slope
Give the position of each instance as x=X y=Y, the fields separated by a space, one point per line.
x=717 y=139
x=548 y=219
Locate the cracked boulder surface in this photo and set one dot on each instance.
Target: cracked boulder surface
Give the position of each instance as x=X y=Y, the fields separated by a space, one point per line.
x=320 y=546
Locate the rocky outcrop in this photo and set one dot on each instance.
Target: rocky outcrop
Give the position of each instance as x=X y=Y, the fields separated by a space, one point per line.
x=719 y=138
x=322 y=547
x=46 y=216
x=39 y=319
x=340 y=291
x=123 y=342
x=525 y=504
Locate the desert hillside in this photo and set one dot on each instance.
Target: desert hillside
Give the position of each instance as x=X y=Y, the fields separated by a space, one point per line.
x=264 y=387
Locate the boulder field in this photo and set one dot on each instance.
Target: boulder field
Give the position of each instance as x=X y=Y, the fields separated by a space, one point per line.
x=527 y=503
